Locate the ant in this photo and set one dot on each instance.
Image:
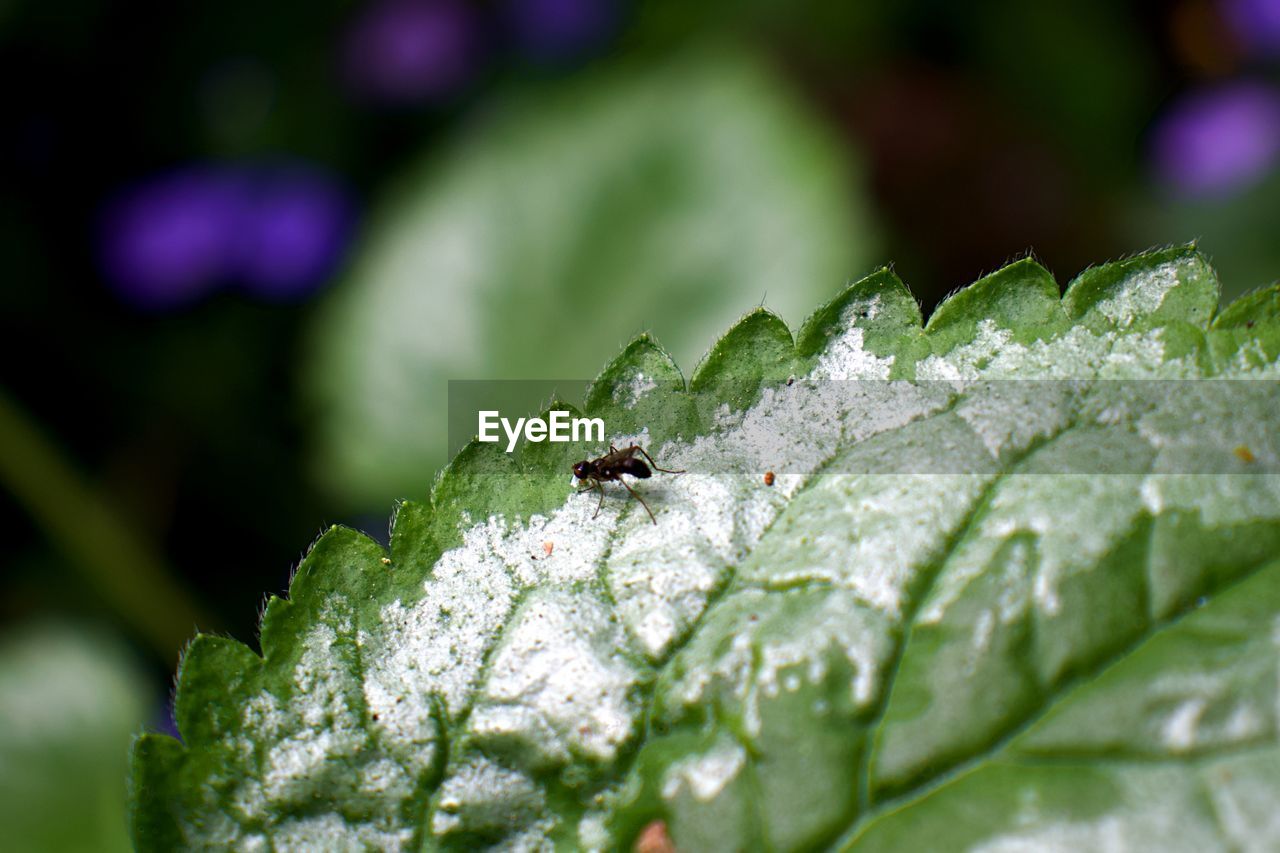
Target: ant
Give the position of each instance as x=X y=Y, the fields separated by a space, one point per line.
x=612 y=466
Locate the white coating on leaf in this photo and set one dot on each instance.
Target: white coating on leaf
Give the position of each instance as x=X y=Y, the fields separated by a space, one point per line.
x=773 y=633
x=1139 y=295
x=1077 y=353
x=435 y=645
x=1149 y=818
x=846 y=356
x=1075 y=520
x=704 y=776
x=483 y=795
x=516 y=646
x=558 y=682
x=1243 y=791
x=332 y=832
x=316 y=744
x=633 y=390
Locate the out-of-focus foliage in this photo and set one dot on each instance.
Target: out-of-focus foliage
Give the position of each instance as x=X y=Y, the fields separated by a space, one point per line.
x=70 y=702
x=660 y=199
x=1239 y=232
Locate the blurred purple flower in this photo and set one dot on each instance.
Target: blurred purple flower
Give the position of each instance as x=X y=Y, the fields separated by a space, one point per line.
x=1255 y=23
x=408 y=51
x=172 y=239
x=295 y=225
x=1218 y=140
x=560 y=29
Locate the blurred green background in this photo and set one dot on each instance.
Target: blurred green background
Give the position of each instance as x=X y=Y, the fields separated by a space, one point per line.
x=245 y=247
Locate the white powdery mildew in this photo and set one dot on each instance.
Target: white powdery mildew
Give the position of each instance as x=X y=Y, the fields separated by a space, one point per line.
x=869 y=408
x=705 y=775
x=1075 y=519
x=263 y=716
x=869 y=534
x=1211 y=707
x=1220 y=501
x=1150 y=808
x=1148 y=829
x=1179 y=729
x=771 y=636
x=801 y=427
x=1210 y=714
x=577 y=545
x=1251 y=362
x=789 y=430
x=860 y=634
x=317 y=732
x=484 y=796
x=1138 y=296
x=558 y=683
x=1147 y=808
x=1143 y=357
x=973 y=359
x=658 y=606
x=434 y=647
x=710 y=516
x=716 y=513
x=1009 y=416
x=846 y=357
x=1244 y=791
x=318 y=725
x=593 y=831
x=627 y=394
x=1078 y=353
x=333 y=832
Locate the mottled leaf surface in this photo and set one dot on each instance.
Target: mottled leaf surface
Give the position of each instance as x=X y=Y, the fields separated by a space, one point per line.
x=964 y=617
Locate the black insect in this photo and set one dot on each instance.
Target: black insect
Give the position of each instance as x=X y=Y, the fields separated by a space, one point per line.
x=612 y=466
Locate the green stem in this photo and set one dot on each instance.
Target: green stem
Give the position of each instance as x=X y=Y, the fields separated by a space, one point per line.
x=97 y=542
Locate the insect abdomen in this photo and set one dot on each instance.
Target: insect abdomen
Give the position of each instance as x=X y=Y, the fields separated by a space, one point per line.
x=635 y=467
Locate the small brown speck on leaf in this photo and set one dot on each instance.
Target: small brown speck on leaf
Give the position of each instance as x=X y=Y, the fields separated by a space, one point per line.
x=654 y=839
x=768 y=478
x=1243 y=453
x=386 y=561
x=548 y=547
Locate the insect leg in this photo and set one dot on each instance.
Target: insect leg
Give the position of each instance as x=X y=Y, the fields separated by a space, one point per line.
x=637 y=497
x=655 y=464
x=600 y=505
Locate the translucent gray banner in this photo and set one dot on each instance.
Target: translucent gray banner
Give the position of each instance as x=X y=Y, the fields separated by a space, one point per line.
x=1192 y=426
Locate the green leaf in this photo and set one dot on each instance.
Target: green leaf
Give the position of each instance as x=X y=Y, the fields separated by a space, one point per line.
x=561 y=223
x=965 y=612
x=70 y=702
